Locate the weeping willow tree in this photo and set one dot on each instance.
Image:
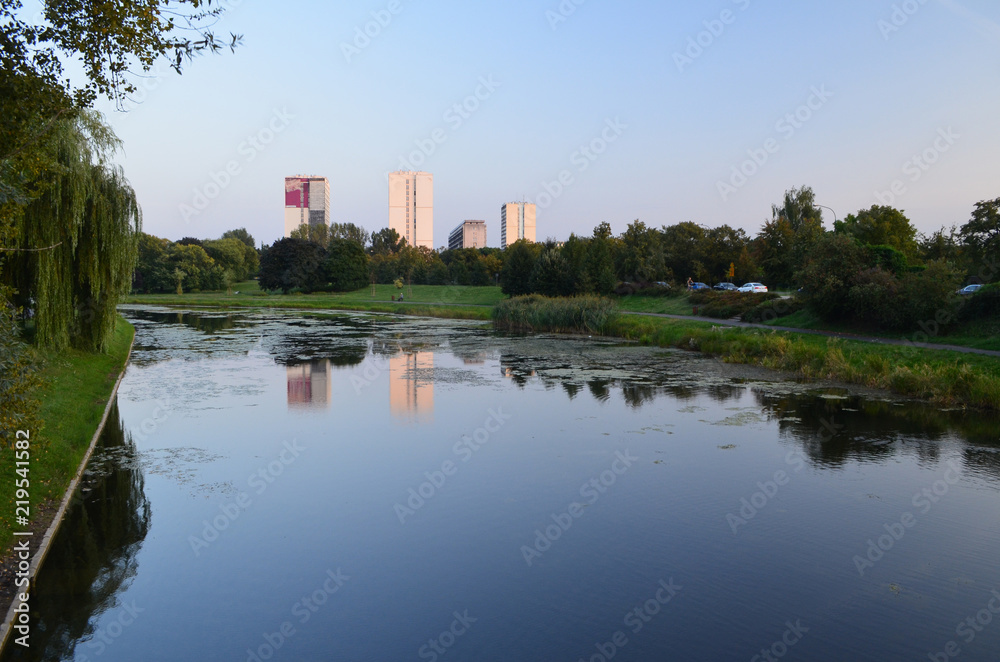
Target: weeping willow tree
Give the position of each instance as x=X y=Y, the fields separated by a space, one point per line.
x=75 y=245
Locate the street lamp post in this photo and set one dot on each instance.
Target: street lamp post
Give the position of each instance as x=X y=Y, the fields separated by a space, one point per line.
x=835 y=220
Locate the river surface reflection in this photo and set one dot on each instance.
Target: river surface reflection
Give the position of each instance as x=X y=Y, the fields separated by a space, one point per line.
x=355 y=487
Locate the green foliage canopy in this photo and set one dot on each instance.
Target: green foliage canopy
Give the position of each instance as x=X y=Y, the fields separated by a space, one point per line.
x=982 y=236
x=293 y=263
x=515 y=277
x=346 y=265
x=881 y=226
x=76 y=242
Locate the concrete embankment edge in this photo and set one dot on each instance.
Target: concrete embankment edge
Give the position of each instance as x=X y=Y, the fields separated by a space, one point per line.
x=50 y=533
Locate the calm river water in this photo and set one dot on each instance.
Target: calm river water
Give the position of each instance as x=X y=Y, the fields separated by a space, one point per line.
x=346 y=487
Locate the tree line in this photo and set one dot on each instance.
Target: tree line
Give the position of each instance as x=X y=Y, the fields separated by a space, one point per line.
x=194 y=265
x=880 y=248
x=872 y=269
x=785 y=254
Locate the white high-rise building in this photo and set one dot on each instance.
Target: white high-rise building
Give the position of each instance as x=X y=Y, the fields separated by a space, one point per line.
x=517 y=221
x=307 y=201
x=411 y=206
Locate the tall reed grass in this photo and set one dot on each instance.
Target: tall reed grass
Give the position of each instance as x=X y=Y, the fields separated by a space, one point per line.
x=582 y=314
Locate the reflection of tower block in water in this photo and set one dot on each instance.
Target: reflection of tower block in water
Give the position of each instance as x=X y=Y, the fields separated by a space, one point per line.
x=309 y=385
x=411 y=387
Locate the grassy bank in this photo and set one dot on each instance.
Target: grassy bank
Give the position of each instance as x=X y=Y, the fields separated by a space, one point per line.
x=455 y=302
x=75 y=390
x=942 y=377
x=979 y=334
x=672 y=305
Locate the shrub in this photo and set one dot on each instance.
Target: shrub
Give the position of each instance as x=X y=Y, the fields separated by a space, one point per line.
x=642 y=289
x=702 y=296
x=984 y=304
x=873 y=300
x=889 y=259
x=928 y=295
x=18 y=410
x=723 y=305
x=772 y=310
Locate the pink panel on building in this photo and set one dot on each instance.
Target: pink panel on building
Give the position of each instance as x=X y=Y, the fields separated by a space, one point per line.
x=296 y=192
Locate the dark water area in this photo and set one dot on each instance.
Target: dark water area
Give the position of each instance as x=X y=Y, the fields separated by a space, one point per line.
x=356 y=487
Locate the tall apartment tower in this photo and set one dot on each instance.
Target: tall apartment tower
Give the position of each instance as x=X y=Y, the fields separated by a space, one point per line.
x=517 y=221
x=411 y=206
x=470 y=234
x=307 y=201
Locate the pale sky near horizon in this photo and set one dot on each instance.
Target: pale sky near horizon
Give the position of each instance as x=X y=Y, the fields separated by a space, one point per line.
x=837 y=96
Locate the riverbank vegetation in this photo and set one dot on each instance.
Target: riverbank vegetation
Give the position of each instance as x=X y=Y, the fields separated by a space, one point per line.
x=71 y=390
x=582 y=314
x=456 y=301
x=942 y=377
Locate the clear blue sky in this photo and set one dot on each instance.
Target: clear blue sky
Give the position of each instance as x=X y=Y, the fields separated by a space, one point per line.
x=885 y=96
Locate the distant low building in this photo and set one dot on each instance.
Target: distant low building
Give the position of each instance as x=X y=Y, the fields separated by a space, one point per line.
x=470 y=234
x=307 y=202
x=517 y=221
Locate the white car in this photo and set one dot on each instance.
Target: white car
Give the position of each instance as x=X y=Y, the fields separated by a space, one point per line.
x=753 y=287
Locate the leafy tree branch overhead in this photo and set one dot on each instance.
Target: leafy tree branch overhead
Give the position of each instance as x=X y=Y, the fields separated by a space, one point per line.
x=112 y=40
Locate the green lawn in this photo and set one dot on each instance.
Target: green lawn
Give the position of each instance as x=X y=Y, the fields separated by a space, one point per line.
x=456 y=302
x=804 y=319
x=982 y=334
x=249 y=294
x=677 y=305
x=436 y=294
x=75 y=390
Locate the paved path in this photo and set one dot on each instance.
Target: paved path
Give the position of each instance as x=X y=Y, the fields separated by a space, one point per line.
x=831 y=334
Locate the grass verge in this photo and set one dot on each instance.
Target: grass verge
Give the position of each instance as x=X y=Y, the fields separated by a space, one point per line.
x=453 y=302
x=672 y=305
x=942 y=377
x=979 y=334
x=74 y=392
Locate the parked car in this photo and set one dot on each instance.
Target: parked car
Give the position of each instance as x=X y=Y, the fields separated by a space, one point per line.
x=969 y=289
x=753 y=287
x=725 y=286
x=699 y=286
